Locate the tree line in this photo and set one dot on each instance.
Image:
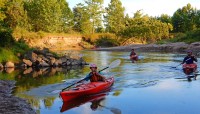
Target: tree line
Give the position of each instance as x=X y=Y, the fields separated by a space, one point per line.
x=55 y=16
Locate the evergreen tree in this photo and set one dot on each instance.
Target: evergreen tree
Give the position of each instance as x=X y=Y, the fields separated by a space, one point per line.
x=114 y=18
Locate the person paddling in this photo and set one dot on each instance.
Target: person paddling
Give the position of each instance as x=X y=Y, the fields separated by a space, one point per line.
x=188 y=63
x=94 y=76
x=133 y=56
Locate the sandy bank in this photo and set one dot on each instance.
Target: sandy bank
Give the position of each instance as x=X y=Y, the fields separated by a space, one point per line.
x=171 y=47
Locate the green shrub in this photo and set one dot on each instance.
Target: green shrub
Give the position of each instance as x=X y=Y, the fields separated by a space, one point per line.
x=6 y=39
x=106 y=42
x=7 y=55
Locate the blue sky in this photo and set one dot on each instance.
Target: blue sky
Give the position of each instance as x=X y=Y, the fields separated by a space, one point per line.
x=150 y=7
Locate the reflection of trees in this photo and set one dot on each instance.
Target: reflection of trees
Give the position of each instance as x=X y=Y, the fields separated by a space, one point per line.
x=40 y=77
x=35 y=102
x=117 y=92
x=48 y=102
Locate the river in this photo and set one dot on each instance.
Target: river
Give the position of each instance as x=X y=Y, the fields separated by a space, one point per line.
x=148 y=86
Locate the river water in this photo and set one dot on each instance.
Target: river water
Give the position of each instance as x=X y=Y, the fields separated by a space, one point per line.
x=148 y=86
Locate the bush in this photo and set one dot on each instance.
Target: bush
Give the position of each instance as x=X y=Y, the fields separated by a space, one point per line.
x=6 y=39
x=106 y=42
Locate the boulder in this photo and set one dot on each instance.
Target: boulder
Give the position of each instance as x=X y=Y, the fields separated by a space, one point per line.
x=58 y=63
x=27 y=62
x=27 y=71
x=31 y=56
x=44 y=64
x=52 y=60
x=9 y=65
x=1 y=66
x=9 y=70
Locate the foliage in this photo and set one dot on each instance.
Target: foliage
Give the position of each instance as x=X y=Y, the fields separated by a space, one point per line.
x=188 y=37
x=185 y=19
x=15 y=14
x=82 y=19
x=145 y=28
x=7 y=54
x=106 y=42
x=49 y=15
x=114 y=18
x=92 y=38
x=6 y=39
x=2 y=8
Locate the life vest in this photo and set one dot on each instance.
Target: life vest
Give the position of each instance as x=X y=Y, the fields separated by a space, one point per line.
x=95 y=77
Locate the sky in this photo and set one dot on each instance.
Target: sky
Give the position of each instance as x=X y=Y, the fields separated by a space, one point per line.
x=150 y=7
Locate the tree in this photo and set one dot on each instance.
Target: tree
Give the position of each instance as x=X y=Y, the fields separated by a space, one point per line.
x=95 y=11
x=82 y=21
x=145 y=28
x=165 y=18
x=16 y=16
x=114 y=18
x=183 y=19
x=2 y=10
x=49 y=15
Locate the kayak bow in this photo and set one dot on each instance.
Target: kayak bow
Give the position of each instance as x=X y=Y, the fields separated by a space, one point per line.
x=87 y=89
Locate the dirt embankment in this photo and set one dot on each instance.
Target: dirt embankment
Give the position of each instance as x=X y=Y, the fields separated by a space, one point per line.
x=11 y=104
x=171 y=47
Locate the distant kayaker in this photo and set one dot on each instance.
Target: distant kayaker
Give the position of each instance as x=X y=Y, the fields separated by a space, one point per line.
x=190 y=58
x=188 y=63
x=94 y=76
x=133 y=56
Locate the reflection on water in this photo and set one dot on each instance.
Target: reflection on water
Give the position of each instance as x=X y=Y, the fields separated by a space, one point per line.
x=147 y=86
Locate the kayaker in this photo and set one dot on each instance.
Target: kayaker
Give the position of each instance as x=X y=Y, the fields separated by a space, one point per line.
x=94 y=76
x=188 y=64
x=133 y=55
x=190 y=58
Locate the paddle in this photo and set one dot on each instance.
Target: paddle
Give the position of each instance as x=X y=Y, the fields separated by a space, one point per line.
x=177 y=65
x=112 y=65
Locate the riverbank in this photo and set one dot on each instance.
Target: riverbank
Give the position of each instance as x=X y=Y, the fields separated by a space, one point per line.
x=11 y=104
x=171 y=47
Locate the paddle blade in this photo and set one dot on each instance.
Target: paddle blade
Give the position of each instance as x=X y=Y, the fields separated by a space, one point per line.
x=115 y=63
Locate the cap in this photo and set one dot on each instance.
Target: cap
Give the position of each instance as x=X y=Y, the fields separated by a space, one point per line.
x=93 y=65
x=189 y=51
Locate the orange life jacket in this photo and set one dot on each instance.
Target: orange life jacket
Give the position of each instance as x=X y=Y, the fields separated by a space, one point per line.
x=95 y=77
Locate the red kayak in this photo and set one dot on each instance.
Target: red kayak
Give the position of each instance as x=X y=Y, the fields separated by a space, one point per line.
x=87 y=89
x=189 y=68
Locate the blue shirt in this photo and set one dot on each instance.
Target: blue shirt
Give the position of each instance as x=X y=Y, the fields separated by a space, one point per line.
x=189 y=60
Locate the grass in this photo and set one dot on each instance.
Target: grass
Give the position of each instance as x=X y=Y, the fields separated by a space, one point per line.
x=189 y=37
x=7 y=55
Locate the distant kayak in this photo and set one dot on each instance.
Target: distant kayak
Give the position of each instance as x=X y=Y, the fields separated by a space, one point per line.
x=134 y=58
x=189 y=68
x=86 y=89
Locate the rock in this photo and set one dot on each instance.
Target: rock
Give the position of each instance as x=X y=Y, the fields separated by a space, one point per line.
x=58 y=62
x=44 y=64
x=52 y=60
x=27 y=62
x=9 y=65
x=27 y=71
x=31 y=56
x=11 y=104
x=1 y=66
x=9 y=70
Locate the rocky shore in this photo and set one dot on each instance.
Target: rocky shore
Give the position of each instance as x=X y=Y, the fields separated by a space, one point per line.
x=11 y=104
x=171 y=47
x=43 y=58
x=34 y=62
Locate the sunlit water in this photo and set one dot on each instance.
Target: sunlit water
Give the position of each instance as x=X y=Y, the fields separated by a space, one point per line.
x=145 y=87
